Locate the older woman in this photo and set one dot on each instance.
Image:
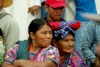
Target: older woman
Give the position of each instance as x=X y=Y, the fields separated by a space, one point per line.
x=63 y=39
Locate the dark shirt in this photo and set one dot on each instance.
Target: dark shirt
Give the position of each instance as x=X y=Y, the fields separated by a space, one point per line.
x=51 y=21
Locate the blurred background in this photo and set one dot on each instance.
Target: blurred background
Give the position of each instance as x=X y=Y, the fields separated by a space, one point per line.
x=19 y=11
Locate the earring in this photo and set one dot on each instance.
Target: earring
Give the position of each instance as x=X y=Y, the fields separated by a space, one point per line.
x=33 y=41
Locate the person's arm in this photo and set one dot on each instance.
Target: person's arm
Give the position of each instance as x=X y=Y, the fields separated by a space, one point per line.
x=10 y=56
x=29 y=63
x=35 y=9
x=11 y=32
x=51 y=60
x=6 y=64
x=89 y=42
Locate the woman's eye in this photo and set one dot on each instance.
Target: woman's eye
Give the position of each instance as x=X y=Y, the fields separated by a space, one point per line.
x=44 y=32
x=50 y=32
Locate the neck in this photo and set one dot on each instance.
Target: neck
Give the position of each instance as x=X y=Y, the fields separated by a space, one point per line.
x=34 y=48
x=63 y=55
x=52 y=20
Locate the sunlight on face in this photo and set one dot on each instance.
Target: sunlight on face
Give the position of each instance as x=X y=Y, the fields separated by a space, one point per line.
x=43 y=36
x=67 y=44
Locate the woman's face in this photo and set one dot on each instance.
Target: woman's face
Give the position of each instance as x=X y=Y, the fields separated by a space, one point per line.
x=43 y=36
x=67 y=44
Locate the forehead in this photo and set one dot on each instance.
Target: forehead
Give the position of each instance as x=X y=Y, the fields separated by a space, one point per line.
x=69 y=36
x=45 y=27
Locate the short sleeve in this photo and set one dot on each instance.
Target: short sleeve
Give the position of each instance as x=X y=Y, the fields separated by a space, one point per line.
x=11 y=53
x=52 y=54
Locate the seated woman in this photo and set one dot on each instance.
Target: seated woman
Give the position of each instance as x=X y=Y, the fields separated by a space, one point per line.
x=63 y=39
x=2 y=51
x=35 y=52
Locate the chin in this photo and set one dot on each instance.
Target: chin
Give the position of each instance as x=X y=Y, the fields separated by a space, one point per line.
x=46 y=45
x=69 y=51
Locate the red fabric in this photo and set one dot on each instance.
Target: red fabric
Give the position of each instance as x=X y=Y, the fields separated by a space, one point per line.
x=76 y=26
x=72 y=24
x=56 y=3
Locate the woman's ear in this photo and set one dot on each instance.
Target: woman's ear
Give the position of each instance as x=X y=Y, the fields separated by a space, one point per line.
x=55 y=43
x=32 y=35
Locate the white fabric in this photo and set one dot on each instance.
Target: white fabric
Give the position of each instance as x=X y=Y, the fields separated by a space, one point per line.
x=19 y=11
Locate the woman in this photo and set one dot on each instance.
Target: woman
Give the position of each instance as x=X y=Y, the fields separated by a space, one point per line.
x=1 y=47
x=63 y=39
x=35 y=52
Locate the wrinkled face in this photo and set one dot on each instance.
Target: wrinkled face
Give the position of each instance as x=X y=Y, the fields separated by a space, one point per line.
x=67 y=44
x=43 y=36
x=54 y=14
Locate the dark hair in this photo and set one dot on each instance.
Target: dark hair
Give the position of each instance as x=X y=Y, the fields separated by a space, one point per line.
x=1 y=34
x=36 y=24
x=59 y=36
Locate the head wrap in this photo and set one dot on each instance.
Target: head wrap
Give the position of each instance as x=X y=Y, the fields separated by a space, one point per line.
x=63 y=28
x=72 y=24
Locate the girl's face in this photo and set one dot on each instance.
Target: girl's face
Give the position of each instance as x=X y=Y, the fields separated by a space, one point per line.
x=67 y=44
x=43 y=36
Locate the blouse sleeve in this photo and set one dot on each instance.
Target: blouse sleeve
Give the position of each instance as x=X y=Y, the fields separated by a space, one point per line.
x=11 y=53
x=52 y=54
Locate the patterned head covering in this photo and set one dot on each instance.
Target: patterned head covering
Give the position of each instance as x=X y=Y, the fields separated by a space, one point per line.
x=61 y=28
x=72 y=24
x=63 y=32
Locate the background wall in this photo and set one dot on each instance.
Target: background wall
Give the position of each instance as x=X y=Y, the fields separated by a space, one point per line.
x=19 y=11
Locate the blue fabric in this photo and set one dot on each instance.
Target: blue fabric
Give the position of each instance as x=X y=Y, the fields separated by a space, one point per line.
x=22 y=52
x=44 y=13
x=92 y=38
x=84 y=6
x=79 y=38
x=64 y=31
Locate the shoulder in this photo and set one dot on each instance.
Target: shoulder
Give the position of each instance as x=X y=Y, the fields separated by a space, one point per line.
x=75 y=54
x=8 y=19
x=23 y=43
x=52 y=48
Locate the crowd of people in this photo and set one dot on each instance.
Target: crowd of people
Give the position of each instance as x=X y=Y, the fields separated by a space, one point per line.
x=52 y=42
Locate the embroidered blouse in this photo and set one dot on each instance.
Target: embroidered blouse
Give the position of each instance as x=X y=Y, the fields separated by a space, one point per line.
x=73 y=60
x=49 y=53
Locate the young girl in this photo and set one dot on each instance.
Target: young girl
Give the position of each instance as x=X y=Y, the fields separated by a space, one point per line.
x=35 y=52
